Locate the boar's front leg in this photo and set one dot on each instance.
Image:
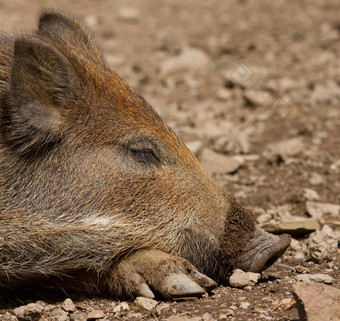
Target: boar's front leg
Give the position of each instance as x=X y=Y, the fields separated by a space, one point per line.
x=76 y=258
x=165 y=274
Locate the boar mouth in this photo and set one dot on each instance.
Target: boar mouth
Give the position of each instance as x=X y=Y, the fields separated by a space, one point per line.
x=263 y=250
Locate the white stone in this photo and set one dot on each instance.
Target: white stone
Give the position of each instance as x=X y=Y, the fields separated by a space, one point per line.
x=286 y=148
x=91 y=20
x=320 y=278
x=57 y=315
x=224 y=94
x=315 y=179
x=241 y=279
x=299 y=256
x=318 y=210
x=310 y=194
x=244 y=305
x=218 y=163
x=123 y=306
x=68 y=305
x=257 y=97
x=129 y=14
x=326 y=92
x=29 y=312
x=96 y=314
x=194 y=146
x=264 y=218
x=145 y=303
x=162 y=306
x=188 y=59
x=206 y=317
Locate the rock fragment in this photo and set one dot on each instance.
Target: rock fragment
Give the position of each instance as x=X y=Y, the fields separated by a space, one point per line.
x=57 y=315
x=228 y=313
x=68 y=305
x=129 y=14
x=244 y=305
x=241 y=279
x=254 y=97
x=244 y=75
x=95 y=315
x=207 y=317
x=323 y=245
x=145 y=303
x=286 y=84
x=123 y=306
x=183 y=318
x=320 y=278
x=299 y=256
x=218 y=163
x=234 y=140
x=295 y=245
x=310 y=195
x=162 y=307
x=195 y=146
x=285 y=149
x=317 y=301
x=29 y=312
x=315 y=179
x=328 y=92
x=188 y=59
x=318 y=210
x=224 y=94
x=264 y=218
x=77 y=316
x=91 y=20
x=296 y=226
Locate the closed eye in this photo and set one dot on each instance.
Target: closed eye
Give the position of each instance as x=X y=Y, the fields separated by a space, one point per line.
x=144 y=154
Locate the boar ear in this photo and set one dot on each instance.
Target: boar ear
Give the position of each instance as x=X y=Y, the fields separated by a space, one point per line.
x=68 y=31
x=39 y=95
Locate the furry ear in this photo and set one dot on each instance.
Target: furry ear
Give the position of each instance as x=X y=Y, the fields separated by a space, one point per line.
x=42 y=82
x=70 y=32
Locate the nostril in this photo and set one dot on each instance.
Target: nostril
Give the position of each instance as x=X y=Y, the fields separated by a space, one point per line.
x=263 y=251
x=279 y=249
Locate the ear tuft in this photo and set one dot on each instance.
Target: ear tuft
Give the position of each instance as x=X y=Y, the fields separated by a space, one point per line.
x=40 y=71
x=70 y=32
x=41 y=90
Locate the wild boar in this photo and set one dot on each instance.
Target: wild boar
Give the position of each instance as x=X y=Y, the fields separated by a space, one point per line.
x=97 y=193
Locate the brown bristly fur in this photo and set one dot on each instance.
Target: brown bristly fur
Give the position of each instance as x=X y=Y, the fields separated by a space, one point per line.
x=80 y=203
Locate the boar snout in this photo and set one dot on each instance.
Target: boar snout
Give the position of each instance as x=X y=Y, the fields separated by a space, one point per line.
x=262 y=251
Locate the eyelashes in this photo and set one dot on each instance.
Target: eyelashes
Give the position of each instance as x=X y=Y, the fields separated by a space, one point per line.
x=144 y=155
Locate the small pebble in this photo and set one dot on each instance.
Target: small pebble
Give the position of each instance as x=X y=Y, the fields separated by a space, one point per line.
x=299 y=256
x=320 y=278
x=310 y=194
x=68 y=305
x=206 y=317
x=229 y=312
x=123 y=306
x=95 y=315
x=145 y=303
x=244 y=305
x=129 y=14
x=29 y=312
x=241 y=279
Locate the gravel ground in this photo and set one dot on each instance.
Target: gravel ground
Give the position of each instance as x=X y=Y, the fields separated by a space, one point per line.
x=253 y=88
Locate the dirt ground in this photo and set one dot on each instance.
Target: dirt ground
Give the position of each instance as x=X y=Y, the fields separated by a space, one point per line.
x=240 y=78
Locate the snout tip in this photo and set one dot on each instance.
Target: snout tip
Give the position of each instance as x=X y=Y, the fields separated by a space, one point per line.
x=278 y=249
x=263 y=251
